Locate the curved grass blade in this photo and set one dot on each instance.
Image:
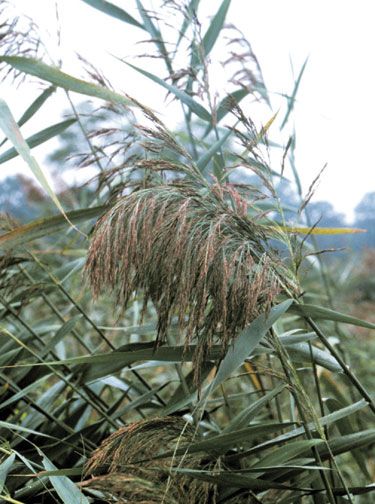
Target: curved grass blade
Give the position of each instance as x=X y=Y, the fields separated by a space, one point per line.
x=226 y=105
x=245 y=416
x=11 y=130
x=155 y=35
x=302 y=351
x=346 y=427
x=68 y=492
x=39 y=138
x=34 y=107
x=43 y=227
x=189 y=13
x=292 y=98
x=55 y=76
x=193 y=106
x=14 y=427
x=230 y=479
x=318 y=312
x=113 y=11
x=287 y=452
x=325 y=420
x=215 y=27
x=5 y=467
x=205 y=159
x=246 y=342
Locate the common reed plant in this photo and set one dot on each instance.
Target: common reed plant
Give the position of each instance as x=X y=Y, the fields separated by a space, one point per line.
x=167 y=336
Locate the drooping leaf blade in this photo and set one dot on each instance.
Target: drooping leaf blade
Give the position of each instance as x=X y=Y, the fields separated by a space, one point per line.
x=12 y=131
x=46 y=226
x=194 y=106
x=215 y=27
x=246 y=342
x=34 y=107
x=5 y=467
x=114 y=11
x=68 y=492
x=55 y=76
x=319 y=312
x=39 y=138
x=292 y=98
x=205 y=159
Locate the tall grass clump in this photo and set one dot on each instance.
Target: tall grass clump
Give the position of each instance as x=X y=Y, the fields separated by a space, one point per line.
x=169 y=331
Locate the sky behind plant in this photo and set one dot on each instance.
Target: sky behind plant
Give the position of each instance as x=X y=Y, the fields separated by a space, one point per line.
x=335 y=104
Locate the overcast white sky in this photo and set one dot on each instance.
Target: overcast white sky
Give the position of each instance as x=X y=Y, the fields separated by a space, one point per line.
x=336 y=103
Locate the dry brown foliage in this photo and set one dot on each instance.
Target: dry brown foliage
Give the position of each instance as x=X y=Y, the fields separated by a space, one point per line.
x=122 y=464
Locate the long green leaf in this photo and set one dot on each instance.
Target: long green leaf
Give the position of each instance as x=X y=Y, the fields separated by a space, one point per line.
x=12 y=131
x=326 y=420
x=114 y=11
x=292 y=98
x=155 y=34
x=68 y=492
x=215 y=27
x=245 y=416
x=33 y=108
x=39 y=138
x=14 y=427
x=204 y=160
x=345 y=427
x=324 y=359
x=318 y=312
x=226 y=105
x=55 y=76
x=97 y=366
x=246 y=342
x=230 y=479
x=43 y=227
x=223 y=442
x=287 y=452
x=190 y=12
x=5 y=467
x=348 y=443
x=194 y=106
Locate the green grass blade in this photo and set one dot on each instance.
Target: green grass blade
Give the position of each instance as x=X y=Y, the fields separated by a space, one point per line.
x=348 y=443
x=221 y=443
x=11 y=130
x=39 y=138
x=346 y=427
x=44 y=227
x=215 y=27
x=246 y=342
x=244 y=417
x=205 y=159
x=292 y=98
x=5 y=467
x=19 y=428
x=187 y=100
x=230 y=479
x=191 y=10
x=155 y=34
x=325 y=420
x=55 y=76
x=34 y=107
x=287 y=452
x=301 y=351
x=114 y=11
x=318 y=312
x=226 y=105
x=68 y=492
